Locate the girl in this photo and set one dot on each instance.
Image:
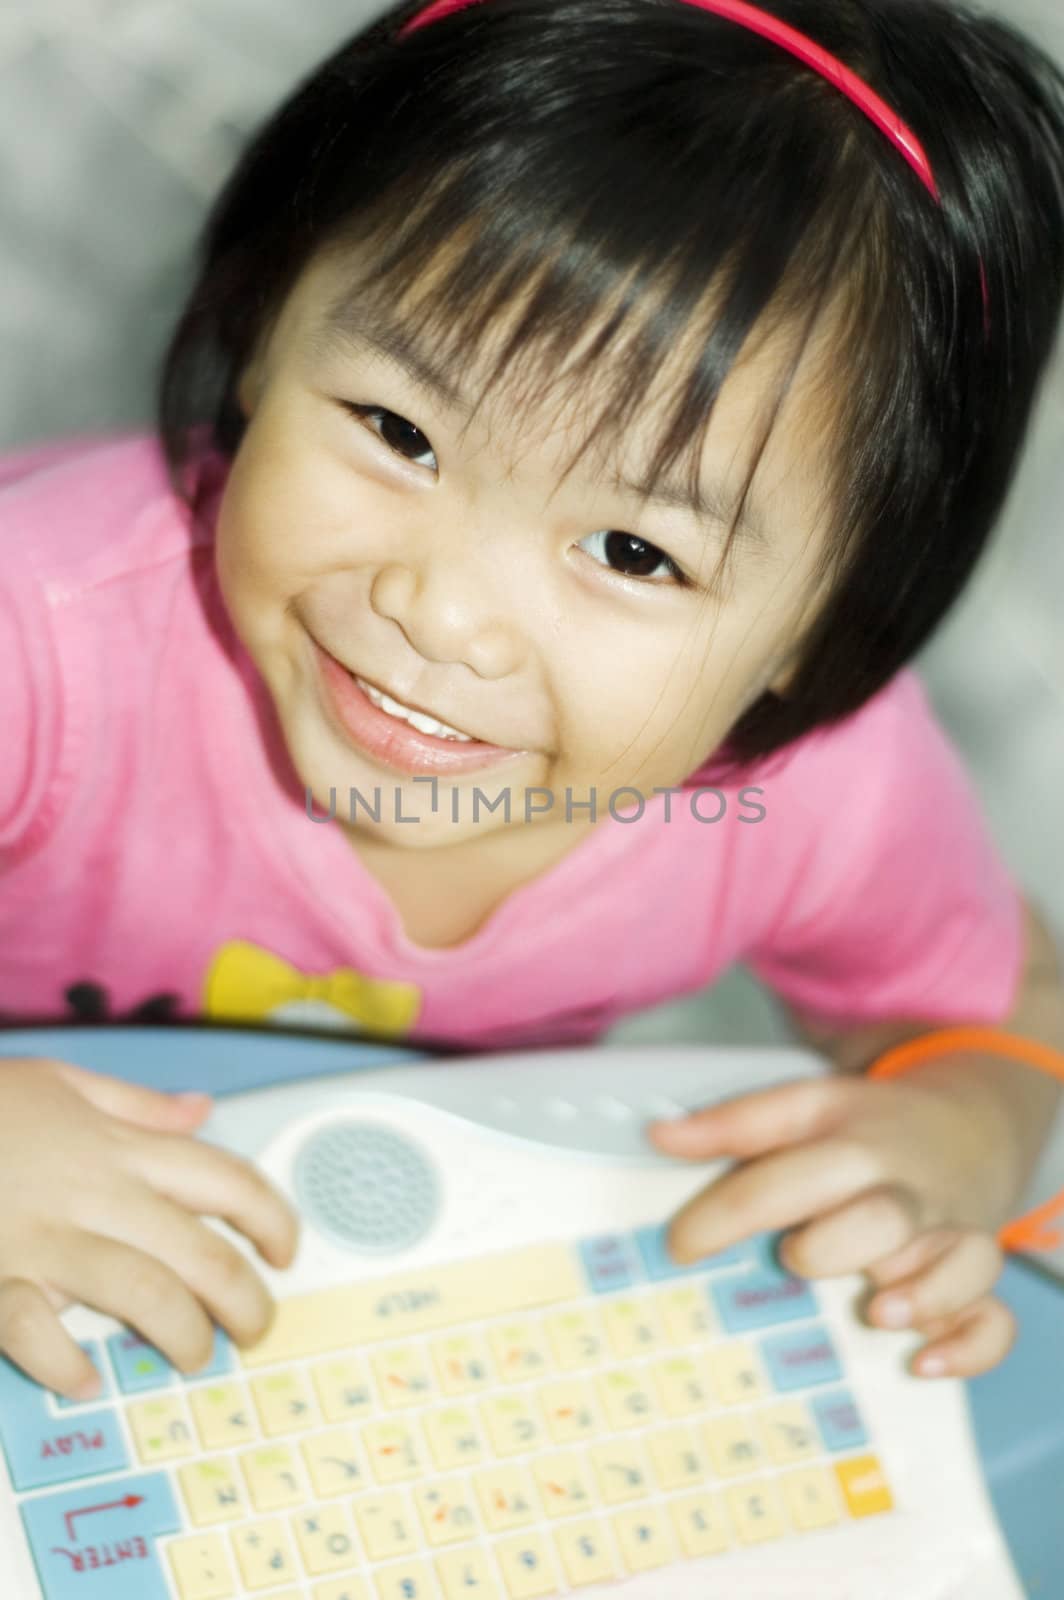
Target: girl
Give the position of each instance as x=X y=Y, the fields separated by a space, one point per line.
x=583 y=412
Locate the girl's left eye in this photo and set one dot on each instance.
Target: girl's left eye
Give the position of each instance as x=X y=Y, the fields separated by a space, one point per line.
x=624 y=548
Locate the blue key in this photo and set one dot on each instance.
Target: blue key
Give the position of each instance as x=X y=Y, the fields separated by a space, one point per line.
x=839 y=1420
x=610 y=1262
x=220 y=1363
x=660 y=1265
x=98 y=1542
x=138 y=1365
x=758 y=1299
x=43 y=1449
x=800 y=1359
x=95 y=1355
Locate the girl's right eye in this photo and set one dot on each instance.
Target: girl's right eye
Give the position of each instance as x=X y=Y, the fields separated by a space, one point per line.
x=624 y=548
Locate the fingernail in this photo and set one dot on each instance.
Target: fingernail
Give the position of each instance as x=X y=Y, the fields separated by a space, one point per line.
x=932 y=1366
x=894 y=1310
x=89 y=1389
x=192 y=1097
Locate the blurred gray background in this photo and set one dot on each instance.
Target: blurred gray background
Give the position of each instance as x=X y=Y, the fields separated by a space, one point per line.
x=118 y=121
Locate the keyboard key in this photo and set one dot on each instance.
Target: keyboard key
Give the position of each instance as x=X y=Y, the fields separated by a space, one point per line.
x=627 y=1399
x=585 y=1553
x=761 y=1298
x=527 y=1567
x=219 y=1366
x=94 y=1350
x=610 y=1262
x=644 y=1538
x=138 y=1365
x=395 y=1451
x=403 y=1376
x=734 y=1444
x=735 y=1375
x=632 y=1327
x=386 y=1525
x=520 y=1351
x=447 y=1513
x=212 y=1491
x=864 y=1486
x=513 y=1423
x=325 y=1539
x=418 y=1302
x=161 y=1428
x=700 y=1524
x=801 y=1359
x=411 y=1580
x=454 y=1437
x=43 y=1449
x=343 y=1389
x=570 y=1410
x=677 y=1459
x=563 y=1482
x=621 y=1472
x=273 y=1477
x=467 y=1575
x=462 y=1363
x=685 y=1313
x=98 y=1542
x=757 y=1511
x=284 y=1403
x=788 y=1430
x=577 y=1339
x=505 y=1498
x=264 y=1554
x=201 y=1568
x=348 y=1588
x=334 y=1462
x=682 y=1386
x=223 y=1415
x=839 y=1420
x=659 y=1264
x=812 y=1496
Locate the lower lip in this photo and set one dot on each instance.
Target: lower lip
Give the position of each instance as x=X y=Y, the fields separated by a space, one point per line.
x=396 y=743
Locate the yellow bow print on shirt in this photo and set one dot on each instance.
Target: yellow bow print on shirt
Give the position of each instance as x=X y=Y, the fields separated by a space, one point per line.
x=247 y=984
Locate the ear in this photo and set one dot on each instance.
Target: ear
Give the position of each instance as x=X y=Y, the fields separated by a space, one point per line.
x=781 y=682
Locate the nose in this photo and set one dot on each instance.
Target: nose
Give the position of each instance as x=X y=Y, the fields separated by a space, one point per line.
x=446 y=616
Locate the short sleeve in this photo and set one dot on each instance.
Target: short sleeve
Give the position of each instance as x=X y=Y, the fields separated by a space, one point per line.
x=906 y=909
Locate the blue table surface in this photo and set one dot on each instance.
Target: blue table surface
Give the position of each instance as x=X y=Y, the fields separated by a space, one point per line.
x=1017 y=1409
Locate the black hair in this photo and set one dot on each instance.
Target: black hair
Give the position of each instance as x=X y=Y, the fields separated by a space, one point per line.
x=577 y=150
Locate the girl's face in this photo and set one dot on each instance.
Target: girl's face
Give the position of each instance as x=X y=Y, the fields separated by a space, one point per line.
x=463 y=577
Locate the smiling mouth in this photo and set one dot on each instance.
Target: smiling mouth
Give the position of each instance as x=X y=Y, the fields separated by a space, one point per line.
x=423 y=721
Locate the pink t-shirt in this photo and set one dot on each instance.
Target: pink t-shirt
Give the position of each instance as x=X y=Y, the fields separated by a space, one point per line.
x=157 y=858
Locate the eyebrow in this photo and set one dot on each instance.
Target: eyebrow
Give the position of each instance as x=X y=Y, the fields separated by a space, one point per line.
x=351 y=326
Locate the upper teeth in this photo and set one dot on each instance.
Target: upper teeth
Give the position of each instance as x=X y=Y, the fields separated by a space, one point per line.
x=417 y=719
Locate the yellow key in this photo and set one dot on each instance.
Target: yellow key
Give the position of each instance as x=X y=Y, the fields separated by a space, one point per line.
x=527 y=1567
x=735 y=1375
x=410 y=1580
x=563 y=1483
x=333 y=1461
x=621 y=1472
x=201 y=1568
x=161 y=1429
x=454 y=1437
x=577 y=1339
x=681 y=1386
x=212 y=1491
x=403 y=1375
x=627 y=1399
x=467 y=1575
x=864 y=1485
x=425 y=1301
x=632 y=1327
x=263 y=1554
x=463 y=1365
x=812 y=1497
x=273 y=1477
x=700 y=1524
x=447 y=1513
x=520 y=1351
x=644 y=1538
x=351 y=1588
x=395 y=1452
x=284 y=1403
x=513 y=1423
x=585 y=1553
x=734 y=1444
x=343 y=1389
x=677 y=1460
x=685 y=1314
x=386 y=1525
x=570 y=1410
x=325 y=1539
x=506 y=1498
x=223 y=1415
x=788 y=1429
x=757 y=1511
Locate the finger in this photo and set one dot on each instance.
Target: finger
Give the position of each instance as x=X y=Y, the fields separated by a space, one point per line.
x=214 y=1182
x=973 y=1341
x=33 y=1337
x=125 y=1283
x=751 y=1124
x=780 y=1189
x=961 y=1275
x=134 y=1102
x=864 y=1229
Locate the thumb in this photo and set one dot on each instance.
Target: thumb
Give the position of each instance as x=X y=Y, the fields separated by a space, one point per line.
x=134 y=1102
x=751 y=1124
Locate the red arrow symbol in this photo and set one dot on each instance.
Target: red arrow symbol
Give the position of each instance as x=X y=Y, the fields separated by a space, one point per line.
x=112 y=1505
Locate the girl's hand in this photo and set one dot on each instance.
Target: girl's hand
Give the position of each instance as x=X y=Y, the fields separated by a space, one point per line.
x=903 y=1180
x=101 y=1195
